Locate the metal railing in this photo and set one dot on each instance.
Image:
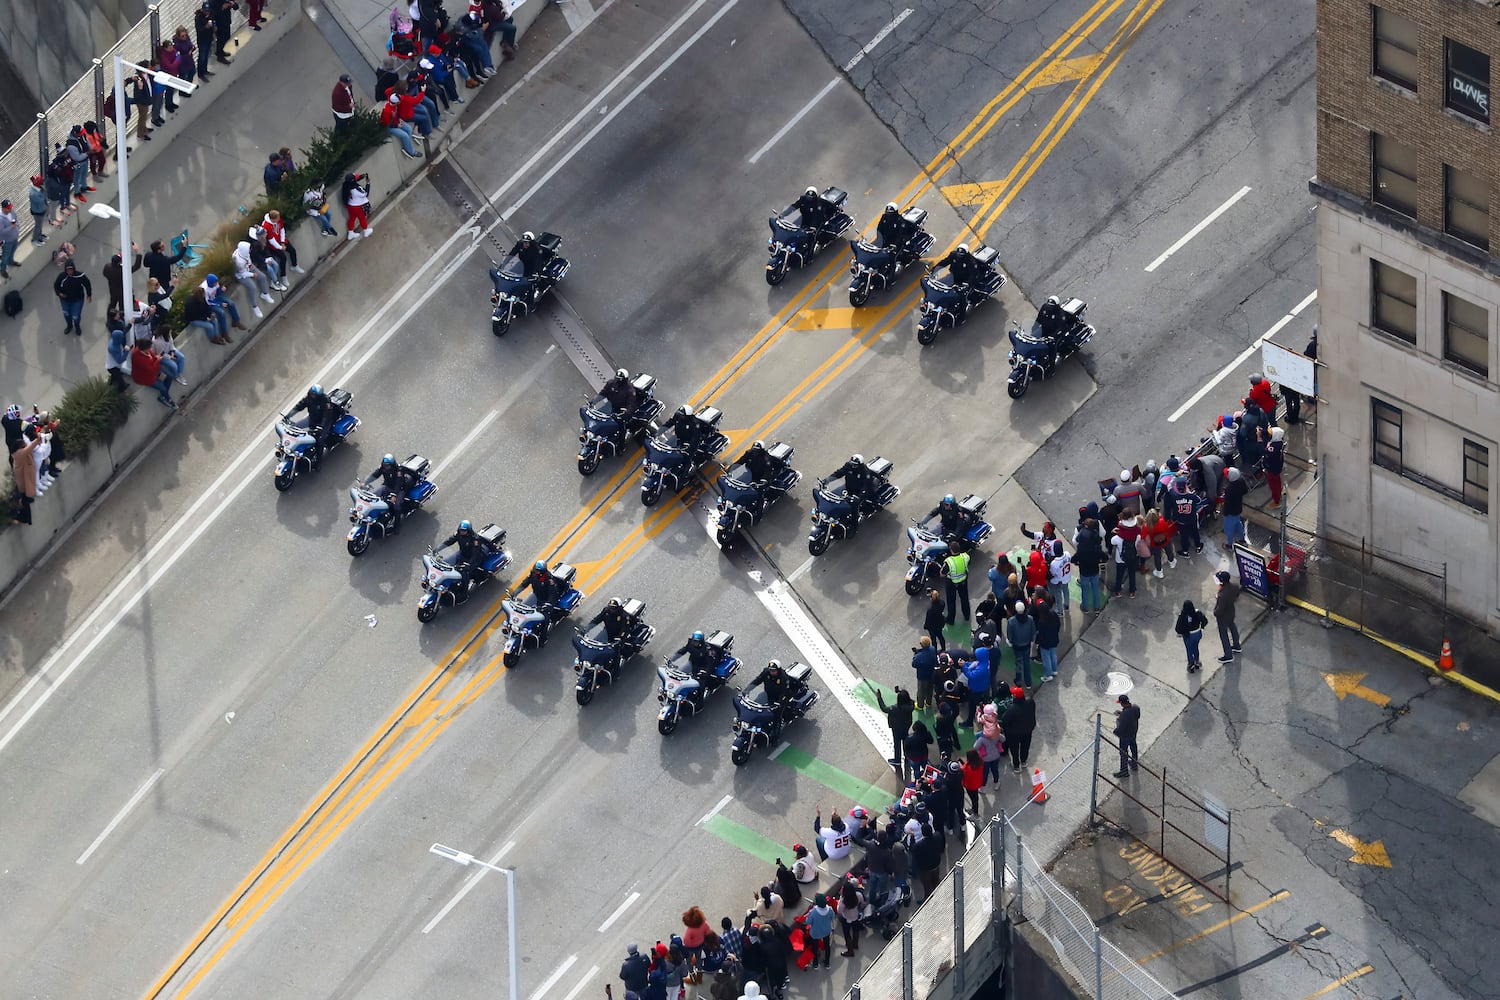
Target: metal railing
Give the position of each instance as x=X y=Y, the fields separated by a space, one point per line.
x=84 y=101
x=998 y=876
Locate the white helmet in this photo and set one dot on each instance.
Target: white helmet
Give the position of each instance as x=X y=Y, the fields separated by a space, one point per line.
x=1052 y=300
x=621 y=373
x=963 y=248
x=812 y=191
x=890 y=206
x=857 y=459
x=528 y=236
x=685 y=410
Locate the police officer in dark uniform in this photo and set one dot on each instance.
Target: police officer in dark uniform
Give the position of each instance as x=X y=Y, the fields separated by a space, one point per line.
x=533 y=258
x=395 y=482
x=962 y=265
x=815 y=211
x=620 y=394
x=689 y=428
x=859 y=482
x=701 y=656
x=321 y=413
x=955 y=521
x=778 y=688
x=894 y=231
x=616 y=622
x=1051 y=317
x=546 y=591
x=759 y=463
x=471 y=551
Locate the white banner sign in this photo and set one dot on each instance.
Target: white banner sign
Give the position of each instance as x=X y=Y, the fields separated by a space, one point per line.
x=1288 y=368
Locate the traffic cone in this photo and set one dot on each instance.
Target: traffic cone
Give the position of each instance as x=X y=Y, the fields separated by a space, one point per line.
x=1038 y=785
x=1445 y=658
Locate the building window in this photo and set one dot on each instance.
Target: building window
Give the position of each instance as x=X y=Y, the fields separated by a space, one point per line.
x=1395 y=174
x=1395 y=48
x=1468 y=81
x=1466 y=207
x=1477 y=476
x=1466 y=329
x=1387 y=435
x=1393 y=302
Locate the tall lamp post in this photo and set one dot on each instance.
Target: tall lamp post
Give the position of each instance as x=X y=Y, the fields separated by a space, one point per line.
x=460 y=858
x=123 y=213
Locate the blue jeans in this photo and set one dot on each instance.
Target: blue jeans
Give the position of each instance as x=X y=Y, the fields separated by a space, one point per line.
x=1234 y=529
x=1049 y=661
x=1188 y=534
x=210 y=328
x=80 y=177
x=1091 y=594
x=1023 y=663
x=72 y=310
x=403 y=136
x=8 y=253
x=1122 y=571
x=223 y=308
x=1190 y=643
x=1059 y=592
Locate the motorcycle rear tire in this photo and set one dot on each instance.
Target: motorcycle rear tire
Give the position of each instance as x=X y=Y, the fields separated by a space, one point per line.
x=926 y=334
x=818 y=545
x=359 y=544
x=284 y=481
x=739 y=757
x=588 y=463
x=1016 y=388
x=914 y=585
x=859 y=293
x=426 y=613
x=499 y=327
x=725 y=537
x=650 y=494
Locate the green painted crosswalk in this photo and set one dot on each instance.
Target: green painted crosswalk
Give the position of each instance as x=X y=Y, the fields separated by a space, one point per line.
x=747 y=840
x=847 y=785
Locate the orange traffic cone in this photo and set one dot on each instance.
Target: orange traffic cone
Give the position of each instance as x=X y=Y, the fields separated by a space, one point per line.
x=1038 y=785
x=1445 y=658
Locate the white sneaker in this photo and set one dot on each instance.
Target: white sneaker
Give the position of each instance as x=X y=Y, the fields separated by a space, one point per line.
x=281 y=285
x=1156 y=573
x=369 y=231
x=1172 y=563
x=297 y=270
x=266 y=298
x=353 y=236
x=257 y=312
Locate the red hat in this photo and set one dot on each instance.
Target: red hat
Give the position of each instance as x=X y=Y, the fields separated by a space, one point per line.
x=1017 y=692
x=434 y=50
x=37 y=180
x=661 y=950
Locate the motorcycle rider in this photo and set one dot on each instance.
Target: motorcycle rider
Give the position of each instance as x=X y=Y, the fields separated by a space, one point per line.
x=395 y=483
x=620 y=394
x=815 y=211
x=702 y=659
x=778 y=688
x=965 y=271
x=1051 y=318
x=321 y=413
x=860 y=483
x=471 y=550
x=893 y=230
x=759 y=463
x=688 y=427
x=533 y=258
x=956 y=522
x=616 y=622
x=546 y=591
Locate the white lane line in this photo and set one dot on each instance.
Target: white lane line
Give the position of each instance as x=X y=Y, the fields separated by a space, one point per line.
x=822 y=657
x=578 y=13
x=781 y=133
x=715 y=810
x=614 y=111
x=801 y=570
x=1158 y=262
x=196 y=520
x=557 y=974
x=1242 y=357
x=463 y=445
x=587 y=976
x=459 y=131
x=762 y=151
x=469 y=884
x=880 y=36
x=588 y=109
x=124 y=810
x=779 y=751
x=619 y=911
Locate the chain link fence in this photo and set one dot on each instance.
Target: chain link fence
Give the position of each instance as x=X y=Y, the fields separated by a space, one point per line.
x=999 y=880
x=84 y=101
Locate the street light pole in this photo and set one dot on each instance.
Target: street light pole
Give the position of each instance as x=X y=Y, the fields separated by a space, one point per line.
x=461 y=858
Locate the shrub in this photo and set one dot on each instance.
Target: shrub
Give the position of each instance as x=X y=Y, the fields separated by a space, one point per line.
x=89 y=413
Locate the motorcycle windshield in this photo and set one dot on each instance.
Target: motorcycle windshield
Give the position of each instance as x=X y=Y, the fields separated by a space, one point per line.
x=832 y=499
x=735 y=486
x=510 y=277
x=1028 y=346
x=751 y=710
x=873 y=254
x=599 y=417
x=663 y=450
x=787 y=227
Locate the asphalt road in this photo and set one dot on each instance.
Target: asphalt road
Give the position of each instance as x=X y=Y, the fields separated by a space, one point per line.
x=231 y=776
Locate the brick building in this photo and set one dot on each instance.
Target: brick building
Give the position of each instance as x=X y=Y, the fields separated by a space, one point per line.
x=1408 y=284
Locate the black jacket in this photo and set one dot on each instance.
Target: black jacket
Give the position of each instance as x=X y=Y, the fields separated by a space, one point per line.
x=1020 y=718
x=159 y=266
x=937 y=616
x=633 y=972
x=73 y=287
x=1128 y=722
x=898 y=715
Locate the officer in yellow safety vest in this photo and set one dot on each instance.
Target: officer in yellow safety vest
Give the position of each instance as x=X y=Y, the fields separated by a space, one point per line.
x=957 y=567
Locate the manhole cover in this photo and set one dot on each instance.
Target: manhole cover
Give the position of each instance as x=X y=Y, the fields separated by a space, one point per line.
x=1116 y=684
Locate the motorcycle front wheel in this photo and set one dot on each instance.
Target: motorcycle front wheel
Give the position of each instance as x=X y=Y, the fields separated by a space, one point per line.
x=358 y=544
x=914 y=585
x=426 y=612
x=499 y=327
x=926 y=333
x=588 y=463
x=859 y=292
x=512 y=657
x=667 y=726
x=776 y=271
x=284 y=480
x=584 y=694
x=1015 y=388
x=650 y=493
x=739 y=757
x=725 y=537
x=818 y=544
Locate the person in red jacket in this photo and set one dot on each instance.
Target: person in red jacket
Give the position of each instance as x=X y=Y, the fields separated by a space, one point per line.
x=1260 y=394
x=390 y=117
x=1036 y=571
x=973 y=779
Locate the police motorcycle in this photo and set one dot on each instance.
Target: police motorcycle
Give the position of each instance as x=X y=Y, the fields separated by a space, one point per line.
x=837 y=515
x=743 y=500
x=793 y=245
x=600 y=658
x=515 y=294
x=523 y=619
x=668 y=465
x=606 y=433
x=442 y=581
x=755 y=715
x=295 y=445
x=372 y=517
x=877 y=265
x=928 y=547
x=686 y=690
x=947 y=303
x=1035 y=356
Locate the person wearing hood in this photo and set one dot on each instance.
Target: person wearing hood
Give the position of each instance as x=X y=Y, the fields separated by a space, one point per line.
x=820 y=929
x=1036 y=571
x=898 y=717
x=73 y=289
x=1019 y=722
x=217 y=297
x=36 y=199
x=1273 y=463
x=977 y=676
x=924 y=661
x=917 y=748
x=279 y=244
x=1020 y=632
x=1226 y=438
x=10 y=237
x=1190 y=625
x=935 y=619
x=251 y=278
x=114 y=277
x=945 y=731
x=1089 y=557
x=989 y=742
x=356 y=195
x=1234 y=507
x=1208 y=472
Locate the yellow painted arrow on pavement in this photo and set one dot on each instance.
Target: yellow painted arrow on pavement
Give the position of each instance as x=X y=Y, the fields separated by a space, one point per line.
x=1346 y=683
x=832 y=318
x=967 y=195
x=1065 y=71
x=1372 y=853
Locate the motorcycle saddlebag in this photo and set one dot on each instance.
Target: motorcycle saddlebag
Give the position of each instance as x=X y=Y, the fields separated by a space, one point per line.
x=417 y=466
x=835 y=196
x=710 y=415
x=1074 y=308
x=972 y=504
x=916 y=216
x=798 y=671
x=644 y=383
x=493 y=534
x=720 y=641
x=880 y=466
x=986 y=255
x=633 y=608
x=781 y=451
x=565 y=573
x=549 y=242
x=341 y=398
